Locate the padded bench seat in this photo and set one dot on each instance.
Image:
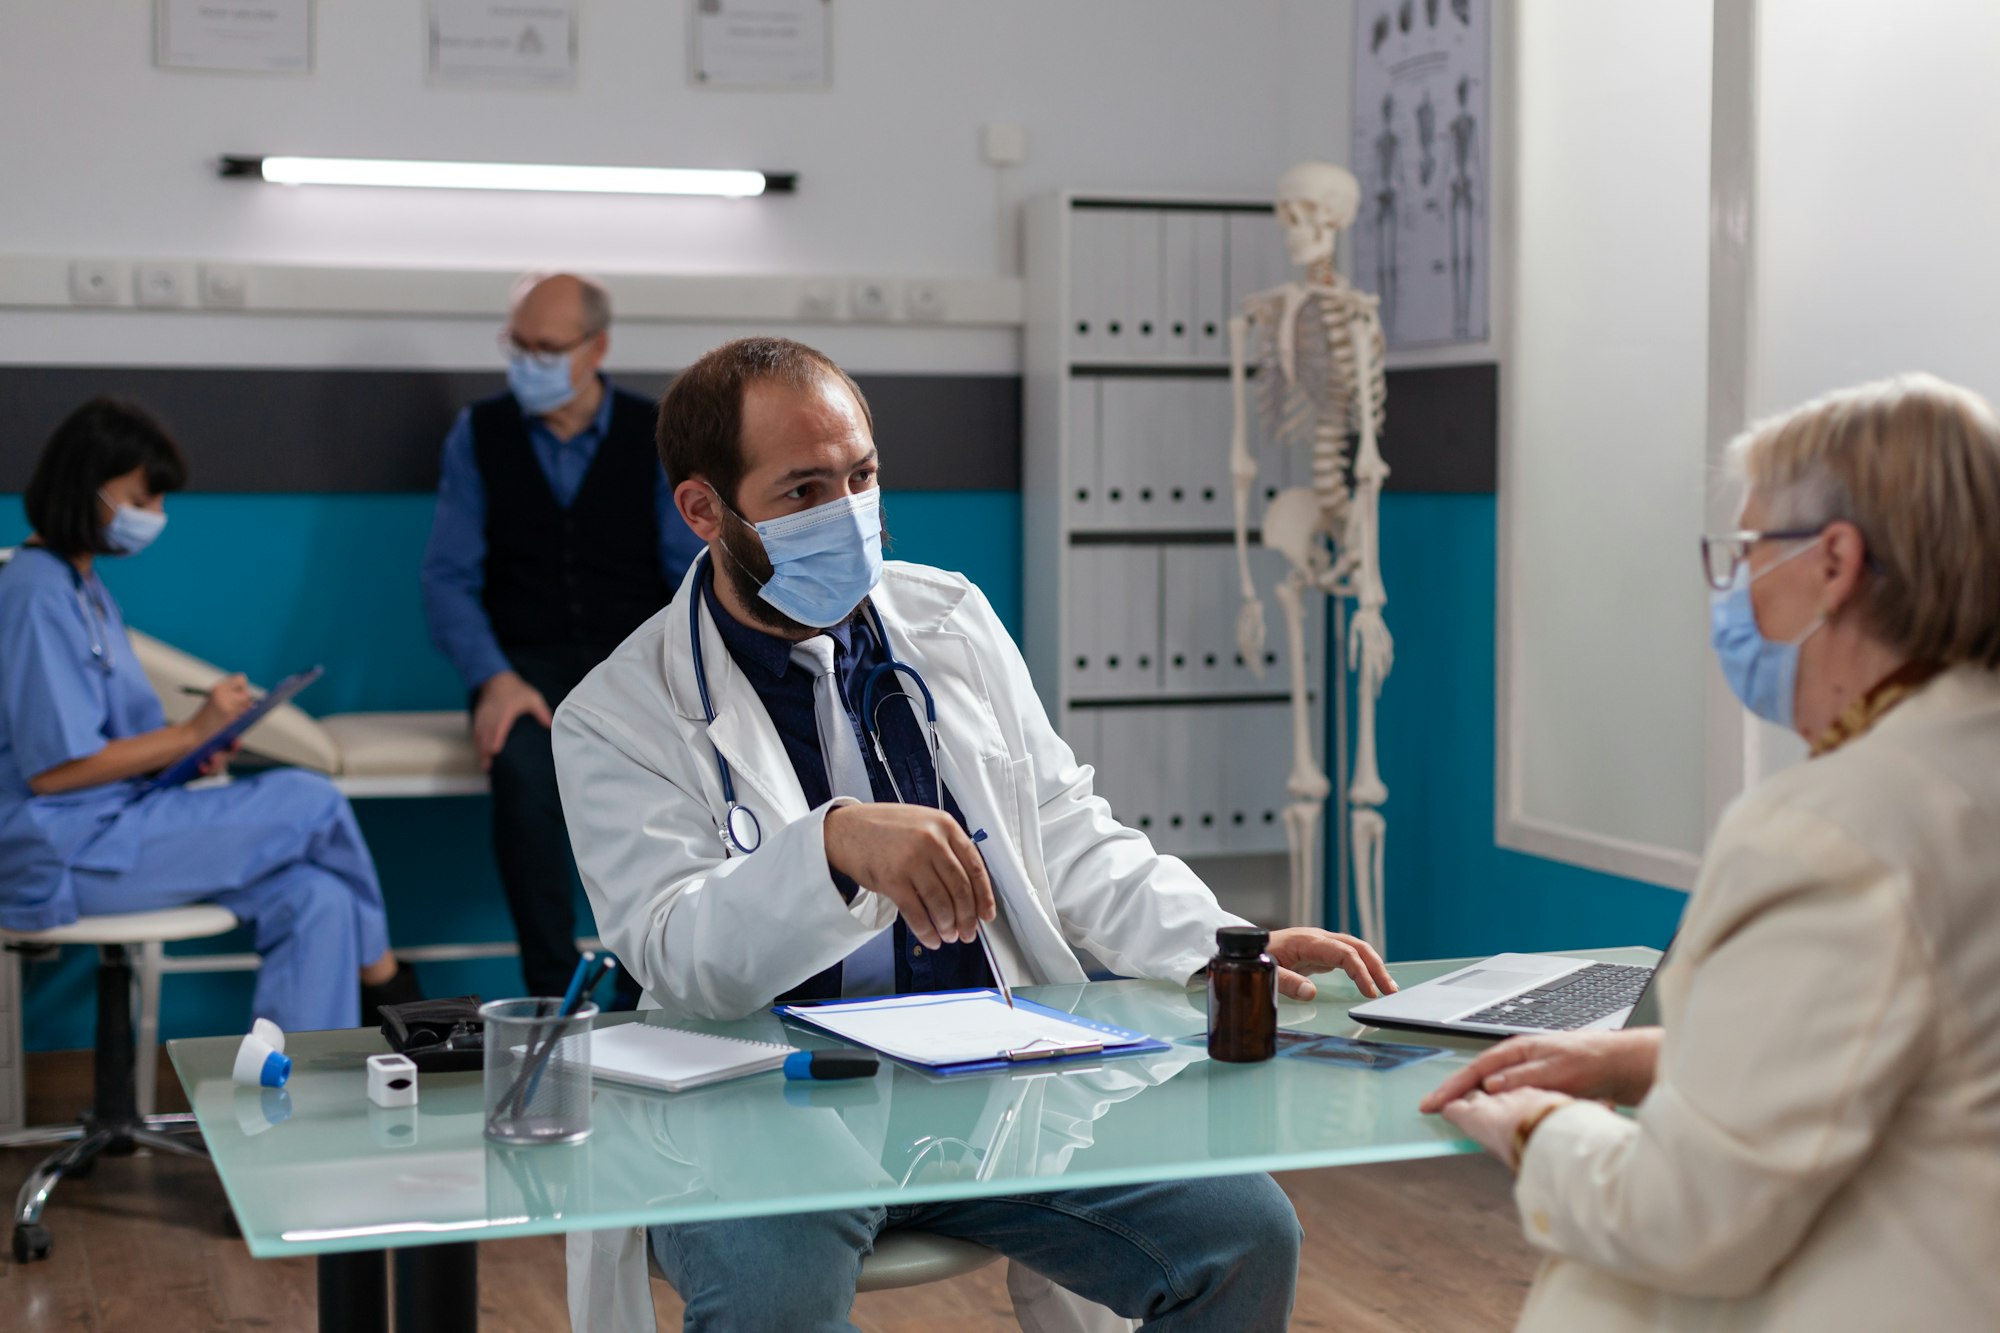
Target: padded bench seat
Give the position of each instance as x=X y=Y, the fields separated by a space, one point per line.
x=366 y=754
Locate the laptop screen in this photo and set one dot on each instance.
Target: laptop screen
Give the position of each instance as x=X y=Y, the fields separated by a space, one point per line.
x=1646 y=1009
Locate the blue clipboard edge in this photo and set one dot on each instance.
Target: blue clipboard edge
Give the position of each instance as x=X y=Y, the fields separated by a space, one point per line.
x=186 y=768
x=1127 y=1042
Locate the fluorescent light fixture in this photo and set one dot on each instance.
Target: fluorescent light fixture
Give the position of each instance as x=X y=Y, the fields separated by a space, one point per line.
x=508 y=176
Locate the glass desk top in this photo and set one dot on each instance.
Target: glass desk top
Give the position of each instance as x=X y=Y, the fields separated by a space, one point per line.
x=322 y=1169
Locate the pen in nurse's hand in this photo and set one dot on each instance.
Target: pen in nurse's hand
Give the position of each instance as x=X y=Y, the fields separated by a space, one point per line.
x=992 y=963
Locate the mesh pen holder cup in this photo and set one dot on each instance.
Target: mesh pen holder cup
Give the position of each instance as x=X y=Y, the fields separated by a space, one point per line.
x=537 y=1071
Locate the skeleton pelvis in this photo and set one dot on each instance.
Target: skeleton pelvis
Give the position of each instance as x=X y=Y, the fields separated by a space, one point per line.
x=1292 y=527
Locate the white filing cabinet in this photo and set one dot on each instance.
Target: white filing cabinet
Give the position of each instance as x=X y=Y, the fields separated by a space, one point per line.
x=1131 y=582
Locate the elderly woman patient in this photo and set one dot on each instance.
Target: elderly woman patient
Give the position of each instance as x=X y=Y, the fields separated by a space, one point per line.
x=1817 y=1142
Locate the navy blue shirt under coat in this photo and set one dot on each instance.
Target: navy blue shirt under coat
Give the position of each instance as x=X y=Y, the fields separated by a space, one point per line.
x=786 y=691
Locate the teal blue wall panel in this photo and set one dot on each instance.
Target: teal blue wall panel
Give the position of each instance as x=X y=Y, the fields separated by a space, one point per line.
x=268 y=583
x=1451 y=890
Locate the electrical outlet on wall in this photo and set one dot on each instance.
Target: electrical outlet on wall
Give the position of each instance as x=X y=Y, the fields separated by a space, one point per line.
x=160 y=285
x=96 y=281
x=923 y=300
x=223 y=286
x=819 y=300
x=872 y=299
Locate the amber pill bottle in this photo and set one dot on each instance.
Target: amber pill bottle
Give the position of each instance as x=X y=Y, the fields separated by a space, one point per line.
x=1242 y=997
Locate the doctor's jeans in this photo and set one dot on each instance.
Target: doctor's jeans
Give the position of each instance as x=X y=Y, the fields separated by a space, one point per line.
x=530 y=840
x=281 y=850
x=1188 y=1255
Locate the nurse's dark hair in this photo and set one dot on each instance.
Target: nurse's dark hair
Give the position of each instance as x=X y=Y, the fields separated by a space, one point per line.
x=104 y=438
x=701 y=418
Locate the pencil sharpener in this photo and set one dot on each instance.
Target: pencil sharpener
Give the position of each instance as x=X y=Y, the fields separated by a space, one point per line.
x=392 y=1080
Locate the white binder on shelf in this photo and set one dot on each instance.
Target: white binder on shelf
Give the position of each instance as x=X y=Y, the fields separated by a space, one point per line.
x=1083 y=662
x=1114 y=277
x=1177 y=284
x=1211 y=494
x=1210 y=326
x=1180 y=596
x=1145 y=232
x=1119 y=431
x=1142 y=612
x=1256 y=256
x=1083 y=502
x=1085 y=333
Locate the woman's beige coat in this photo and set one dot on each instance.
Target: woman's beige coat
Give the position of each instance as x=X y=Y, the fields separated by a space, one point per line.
x=1821 y=1149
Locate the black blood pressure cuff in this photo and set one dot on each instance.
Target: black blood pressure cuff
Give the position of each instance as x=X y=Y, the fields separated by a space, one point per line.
x=439 y=1036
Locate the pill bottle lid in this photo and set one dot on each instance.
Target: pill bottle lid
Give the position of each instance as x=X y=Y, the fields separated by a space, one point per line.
x=1241 y=941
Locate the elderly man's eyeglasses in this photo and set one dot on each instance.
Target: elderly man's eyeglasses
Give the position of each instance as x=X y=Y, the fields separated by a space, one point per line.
x=513 y=346
x=1723 y=553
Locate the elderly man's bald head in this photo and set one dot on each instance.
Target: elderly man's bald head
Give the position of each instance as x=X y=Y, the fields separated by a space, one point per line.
x=552 y=300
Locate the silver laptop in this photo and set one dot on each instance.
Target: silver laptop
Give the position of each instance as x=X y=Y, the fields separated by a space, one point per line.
x=1513 y=993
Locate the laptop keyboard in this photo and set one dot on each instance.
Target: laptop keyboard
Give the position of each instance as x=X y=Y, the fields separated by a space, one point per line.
x=1574 y=1001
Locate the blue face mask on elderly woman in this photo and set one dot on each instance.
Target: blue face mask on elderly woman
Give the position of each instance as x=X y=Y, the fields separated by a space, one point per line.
x=824 y=560
x=1763 y=673
x=539 y=381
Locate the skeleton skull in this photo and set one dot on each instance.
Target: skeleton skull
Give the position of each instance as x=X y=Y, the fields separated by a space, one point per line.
x=1316 y=202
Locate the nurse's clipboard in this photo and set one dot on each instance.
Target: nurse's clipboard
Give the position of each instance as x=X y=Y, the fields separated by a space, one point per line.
x=967 y=1031
x=188 y=766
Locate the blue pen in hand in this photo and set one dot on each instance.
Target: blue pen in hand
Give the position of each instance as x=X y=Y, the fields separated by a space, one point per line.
x=992 y=963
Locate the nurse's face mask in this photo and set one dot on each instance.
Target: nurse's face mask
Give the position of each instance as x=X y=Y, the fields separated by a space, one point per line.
x=812 y=569
x=131 y=529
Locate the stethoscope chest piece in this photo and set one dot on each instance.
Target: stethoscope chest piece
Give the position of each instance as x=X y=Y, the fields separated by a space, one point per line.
x=740 y=829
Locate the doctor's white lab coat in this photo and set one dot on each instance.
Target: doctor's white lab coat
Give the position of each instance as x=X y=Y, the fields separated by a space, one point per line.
x=711 y=935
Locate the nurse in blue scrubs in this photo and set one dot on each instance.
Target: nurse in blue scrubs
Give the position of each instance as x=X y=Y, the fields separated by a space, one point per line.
x=81 y=729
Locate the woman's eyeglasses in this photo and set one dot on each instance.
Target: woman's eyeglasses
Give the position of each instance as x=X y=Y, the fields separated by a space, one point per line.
x=1723 y=553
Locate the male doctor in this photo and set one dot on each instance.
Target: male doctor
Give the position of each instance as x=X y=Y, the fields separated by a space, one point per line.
x=747 y=834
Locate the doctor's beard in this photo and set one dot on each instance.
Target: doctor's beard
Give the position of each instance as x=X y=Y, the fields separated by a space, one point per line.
x=748 y=569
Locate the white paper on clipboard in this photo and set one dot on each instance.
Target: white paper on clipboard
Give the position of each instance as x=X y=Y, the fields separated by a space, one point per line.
x=950 y=1029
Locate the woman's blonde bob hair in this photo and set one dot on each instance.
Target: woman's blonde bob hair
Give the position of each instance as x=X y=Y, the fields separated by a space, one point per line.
x=1914 y=463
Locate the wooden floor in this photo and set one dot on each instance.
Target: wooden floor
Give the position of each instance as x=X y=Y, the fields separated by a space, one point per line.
x=1418 y=1247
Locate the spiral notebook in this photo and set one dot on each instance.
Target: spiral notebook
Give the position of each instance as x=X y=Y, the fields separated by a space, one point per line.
x=674 y=1059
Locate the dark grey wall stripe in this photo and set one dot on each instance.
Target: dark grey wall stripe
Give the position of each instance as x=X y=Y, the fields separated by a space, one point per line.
x=379 y=430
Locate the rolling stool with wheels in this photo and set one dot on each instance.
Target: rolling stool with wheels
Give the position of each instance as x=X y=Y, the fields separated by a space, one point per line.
x=116 y=1124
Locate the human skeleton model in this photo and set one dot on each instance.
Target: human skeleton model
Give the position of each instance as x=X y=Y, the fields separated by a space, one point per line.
x=1318 y=349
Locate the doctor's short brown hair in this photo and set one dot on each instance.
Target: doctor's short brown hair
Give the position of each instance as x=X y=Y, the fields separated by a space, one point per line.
x=700 y=431
x=1914 y=463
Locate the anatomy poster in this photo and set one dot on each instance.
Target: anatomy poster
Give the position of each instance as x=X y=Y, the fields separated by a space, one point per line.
x=1421 y=118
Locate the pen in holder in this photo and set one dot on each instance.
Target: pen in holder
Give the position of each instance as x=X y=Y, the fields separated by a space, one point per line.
x=537 y=1071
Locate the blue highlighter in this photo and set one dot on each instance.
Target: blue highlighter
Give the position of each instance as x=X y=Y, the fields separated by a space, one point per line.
x=826 y=1065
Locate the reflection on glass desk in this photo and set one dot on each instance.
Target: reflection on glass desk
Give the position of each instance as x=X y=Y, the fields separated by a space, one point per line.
x=323 y=1170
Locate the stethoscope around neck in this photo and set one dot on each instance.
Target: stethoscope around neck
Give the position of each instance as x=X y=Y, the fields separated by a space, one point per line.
x=739 y=829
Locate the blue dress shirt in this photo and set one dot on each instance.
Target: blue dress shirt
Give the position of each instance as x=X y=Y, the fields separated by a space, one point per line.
x=454 y=567
x=786 y=691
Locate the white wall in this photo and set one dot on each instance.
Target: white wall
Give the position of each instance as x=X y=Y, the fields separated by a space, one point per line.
x=1604 y=642
x=107 y=155
x=1878 y=209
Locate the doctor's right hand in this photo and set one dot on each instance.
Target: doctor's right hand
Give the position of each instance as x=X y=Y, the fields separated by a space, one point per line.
x=917 y=858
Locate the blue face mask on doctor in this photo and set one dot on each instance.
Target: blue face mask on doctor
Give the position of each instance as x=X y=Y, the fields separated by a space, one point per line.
x=539 y=381
x=824 y=560
x=1763 y=673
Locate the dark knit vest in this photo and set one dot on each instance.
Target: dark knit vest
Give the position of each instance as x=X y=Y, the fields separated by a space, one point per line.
x=588 y=575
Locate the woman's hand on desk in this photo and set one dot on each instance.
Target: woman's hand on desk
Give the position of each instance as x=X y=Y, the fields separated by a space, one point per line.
x=228 y=699
x=920 y=860
x=1604 y=1066
x=1500 y=1124
x=1303 y=949
x=504 y=700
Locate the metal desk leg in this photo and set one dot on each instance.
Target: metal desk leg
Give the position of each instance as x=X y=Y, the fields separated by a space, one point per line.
x=354 y=1292
x=437 y=1288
